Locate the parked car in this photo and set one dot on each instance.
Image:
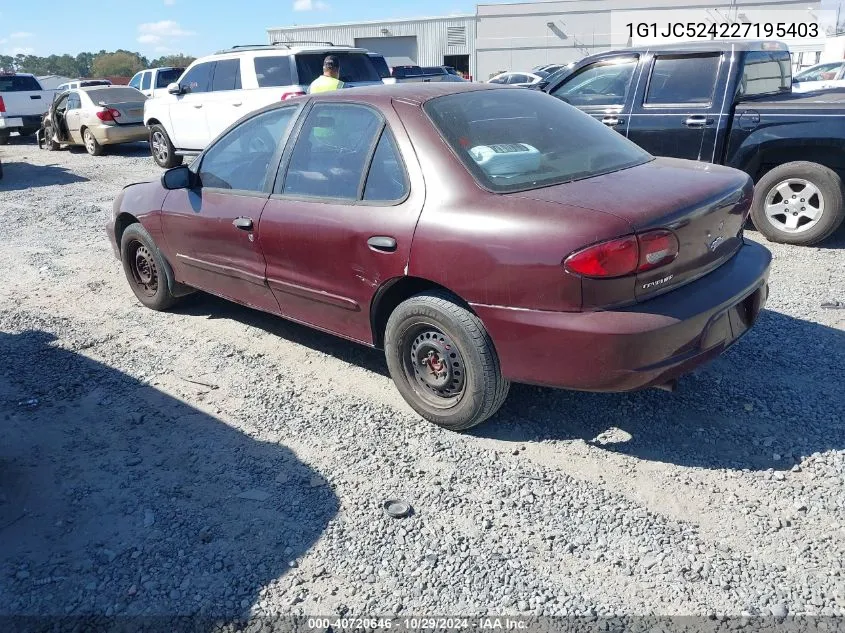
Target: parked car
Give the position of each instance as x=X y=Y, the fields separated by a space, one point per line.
x=727 y=103
x=22 y=103
x=539 y=247
x=522 y=80
x=95 y=117
x=217 y=90
x=406 y=74
x=81 y=83
x=820 y=77
x=154 y=81
x=548 y=68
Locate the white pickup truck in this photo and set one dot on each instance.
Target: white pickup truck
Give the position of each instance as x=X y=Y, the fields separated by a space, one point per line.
x=22 y=103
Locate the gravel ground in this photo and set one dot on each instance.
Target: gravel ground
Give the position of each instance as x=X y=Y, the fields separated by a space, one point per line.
x=216 y=460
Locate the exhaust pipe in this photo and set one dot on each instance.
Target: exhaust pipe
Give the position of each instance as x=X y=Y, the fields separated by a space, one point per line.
x=670 y=386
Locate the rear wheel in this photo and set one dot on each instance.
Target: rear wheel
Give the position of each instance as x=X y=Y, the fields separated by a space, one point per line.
x=48 y=139
x=164 y=154
x=443 y=361
x=145 y=268
x=91 y=145
x=798 y=203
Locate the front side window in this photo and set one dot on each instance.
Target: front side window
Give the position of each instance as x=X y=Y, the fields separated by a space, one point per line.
x=603 y=83
x=765 y=73
x=332 y=150
x=227 y=75
x=513 y=140
x=135 y=82
x=689 y=79
x=386 y=180
x=273 y=71
x=241 y=159
x=517 y=79
x=198 y=79
x=146 y=82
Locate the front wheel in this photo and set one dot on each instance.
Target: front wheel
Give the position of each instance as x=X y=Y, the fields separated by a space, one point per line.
x=443 y=361
x=798 y=203
x=145 y=268
x=164 y=154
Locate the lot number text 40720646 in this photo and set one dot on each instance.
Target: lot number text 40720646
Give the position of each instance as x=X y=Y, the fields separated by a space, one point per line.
x=709 y=30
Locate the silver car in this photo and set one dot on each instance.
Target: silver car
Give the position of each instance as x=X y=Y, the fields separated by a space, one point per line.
x=95 y=116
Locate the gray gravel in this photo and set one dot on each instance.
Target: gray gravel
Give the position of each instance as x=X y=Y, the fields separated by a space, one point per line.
x=216 y=460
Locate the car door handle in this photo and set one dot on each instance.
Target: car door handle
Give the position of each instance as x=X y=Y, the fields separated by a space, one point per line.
x=382 y=243
x=612 y=121
x=238 y=104
x=197 y=105
x=698 y=120
x=244 y=224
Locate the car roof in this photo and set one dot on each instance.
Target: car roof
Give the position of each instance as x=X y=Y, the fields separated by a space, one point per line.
x=415 y=93
x=289 y=48
x=706 y=46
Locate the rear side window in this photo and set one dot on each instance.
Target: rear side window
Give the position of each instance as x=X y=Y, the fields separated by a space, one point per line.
x=513 y=140
x=353 y=67
x=765 y=73
x=19 y=83
x=380 y=66
x=387 y=180
x=689 y=79
x=146 y=82
x=167 y=77
x=198 y=78
x=227 y=75
x=274 y=71
x=332 y=151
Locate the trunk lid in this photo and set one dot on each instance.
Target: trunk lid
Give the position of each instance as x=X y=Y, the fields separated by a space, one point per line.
x=131 y=113
x=129 y=102
x=704 y=205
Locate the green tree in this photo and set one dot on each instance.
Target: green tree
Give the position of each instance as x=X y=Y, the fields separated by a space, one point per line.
x=118 y=64
x=83 y=64
x=7 y=62
x=175 y=61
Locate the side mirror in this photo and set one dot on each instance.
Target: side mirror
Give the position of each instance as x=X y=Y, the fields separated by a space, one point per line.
x=179 y=178
x=175 y=88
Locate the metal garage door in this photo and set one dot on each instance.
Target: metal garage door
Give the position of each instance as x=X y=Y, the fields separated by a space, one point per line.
x=397 y=49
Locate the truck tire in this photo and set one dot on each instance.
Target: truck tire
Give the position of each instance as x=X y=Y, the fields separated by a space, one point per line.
x=164 y=154
x=443 y=362
x=798 y=203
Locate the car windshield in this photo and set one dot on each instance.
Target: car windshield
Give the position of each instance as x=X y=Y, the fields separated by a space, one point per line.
x=115 y=95
x=353 y=67
x=167 y=77
x=18 y=83
x=513 y=140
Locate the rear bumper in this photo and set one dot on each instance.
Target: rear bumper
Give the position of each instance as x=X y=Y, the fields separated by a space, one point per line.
x=113 y=134
x=640 y=346
x=17 y=122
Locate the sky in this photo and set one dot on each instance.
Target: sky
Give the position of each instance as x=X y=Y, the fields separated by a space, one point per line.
x=195 y=27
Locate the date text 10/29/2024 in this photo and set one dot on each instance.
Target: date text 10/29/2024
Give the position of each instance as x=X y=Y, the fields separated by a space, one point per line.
x=418 y=624
x=725 y=30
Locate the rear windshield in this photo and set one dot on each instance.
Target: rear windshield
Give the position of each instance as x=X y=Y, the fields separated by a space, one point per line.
x=513 y=140
x=17 y=83
x=115 y=95
x=353 y=67
x=380 y=66
x=94 y=82
x=167 y=77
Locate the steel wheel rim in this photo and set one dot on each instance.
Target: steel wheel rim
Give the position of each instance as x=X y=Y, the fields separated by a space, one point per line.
x=89 y=141
x=794 y=205
x=433 y=365
x=143 y=268
x=159 y=146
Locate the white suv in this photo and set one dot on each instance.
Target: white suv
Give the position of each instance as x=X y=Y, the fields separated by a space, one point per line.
x=217 y=90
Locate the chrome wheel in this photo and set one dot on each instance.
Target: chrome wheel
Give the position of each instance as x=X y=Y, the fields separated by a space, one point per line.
x=794 y=205
x=143 y=268
x=433 y=365
x=159 y=147
x=90 y=142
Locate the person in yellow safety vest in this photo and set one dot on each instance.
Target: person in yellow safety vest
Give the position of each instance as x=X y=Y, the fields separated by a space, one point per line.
x=328 y=81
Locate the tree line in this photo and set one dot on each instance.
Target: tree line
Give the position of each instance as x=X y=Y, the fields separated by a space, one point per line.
x=120 y=63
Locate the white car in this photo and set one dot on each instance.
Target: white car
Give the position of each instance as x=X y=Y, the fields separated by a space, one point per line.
x=820 y=77
x=217 y=90
x=76 y=84
x=153 y=82
x=22 y=103
x=518 y=79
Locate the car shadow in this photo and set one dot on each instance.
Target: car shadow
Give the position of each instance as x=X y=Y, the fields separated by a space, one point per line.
x=119 y=499
x=212 y=307
x=18 y=176
x=130 y=150
x=772 y=399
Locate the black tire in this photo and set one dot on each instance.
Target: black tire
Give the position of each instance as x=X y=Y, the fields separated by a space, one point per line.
x=825 y=198
x=48 y=139
x=164 y=154
x=27 y=131
x=146 y=269
x=4 y=137
x=470 y=384
x=92 y=146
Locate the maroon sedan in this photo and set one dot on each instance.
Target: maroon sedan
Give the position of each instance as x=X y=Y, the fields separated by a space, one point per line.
x=479 y=234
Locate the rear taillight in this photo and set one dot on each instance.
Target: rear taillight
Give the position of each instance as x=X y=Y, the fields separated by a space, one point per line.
x=624 y=256
x=2 y=105
x=291 y=95
x=108 y=114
